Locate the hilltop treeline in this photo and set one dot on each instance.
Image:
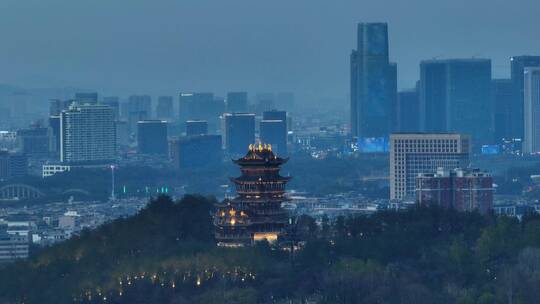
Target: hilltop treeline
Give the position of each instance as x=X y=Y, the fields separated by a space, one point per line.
x=167 y=254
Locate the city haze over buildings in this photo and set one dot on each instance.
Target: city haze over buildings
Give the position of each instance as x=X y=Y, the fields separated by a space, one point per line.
x=202 y=45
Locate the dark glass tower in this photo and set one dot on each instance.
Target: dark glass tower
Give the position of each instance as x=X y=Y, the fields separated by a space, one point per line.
x=455 y=96
x=373 y=83
x=503 y=103
x=255 y=214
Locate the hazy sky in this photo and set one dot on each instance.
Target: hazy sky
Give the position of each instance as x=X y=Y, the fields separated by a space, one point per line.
x=164 y=46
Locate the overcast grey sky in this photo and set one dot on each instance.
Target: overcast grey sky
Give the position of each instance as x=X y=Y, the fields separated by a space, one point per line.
x=164 y=46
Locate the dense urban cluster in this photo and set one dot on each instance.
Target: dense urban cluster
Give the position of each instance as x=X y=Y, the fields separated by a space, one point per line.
x=424 y=195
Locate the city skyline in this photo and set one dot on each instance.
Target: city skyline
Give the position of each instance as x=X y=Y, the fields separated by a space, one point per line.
x=265 y=54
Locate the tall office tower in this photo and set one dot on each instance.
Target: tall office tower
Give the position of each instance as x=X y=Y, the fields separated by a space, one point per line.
x=201 y=106
x=87 y=134
x=56 y=106
x=273 y=130
x=455 y=96
x=285 y=101
x=373 y=83
x=122 y=133
x=264 y=102
x=139 y=107
x=408 y=111
x=461 y=189
x=34 y=141
x=86 y=97
x=165 y=108
x=12 y=165
x=152 y=137
x=531 y=140
x=237 y=102
x=114 y=103
x=196 y=151
x=196 y=127
x=256 y=213
x=517 y=66
x=239 y=132
x=503 y=101
x=415 y=153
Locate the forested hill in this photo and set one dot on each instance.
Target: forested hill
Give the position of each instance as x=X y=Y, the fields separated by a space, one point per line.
x=166 y=254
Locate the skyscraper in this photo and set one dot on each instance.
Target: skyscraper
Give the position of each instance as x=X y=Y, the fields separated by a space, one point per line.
x=518 y=65
x=87 y=134
x=237 y=102
x=114 y=103
x=503 y=103
x=239 y=132
x=415 y=153
x=408 y=111
x=455 y=96
x=152 y=137
x=373 y=83
x=201 y=106
x=139 y=108
x=164 y=108
x=273 y=130
x=531 y=140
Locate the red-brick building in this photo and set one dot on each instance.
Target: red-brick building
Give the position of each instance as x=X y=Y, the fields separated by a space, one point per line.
x=462 y=189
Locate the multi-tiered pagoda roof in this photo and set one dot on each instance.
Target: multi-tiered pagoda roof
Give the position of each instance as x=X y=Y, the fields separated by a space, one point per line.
x=255 y=213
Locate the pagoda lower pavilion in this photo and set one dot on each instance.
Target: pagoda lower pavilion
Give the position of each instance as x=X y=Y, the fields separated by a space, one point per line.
x=255 y=214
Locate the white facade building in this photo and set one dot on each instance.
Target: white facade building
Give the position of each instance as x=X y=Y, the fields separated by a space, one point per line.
x=87 y=134
x=531 y=110
x=415 y=153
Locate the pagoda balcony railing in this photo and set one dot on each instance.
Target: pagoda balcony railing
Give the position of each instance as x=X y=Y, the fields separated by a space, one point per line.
x=259 y=191
x=261 y=187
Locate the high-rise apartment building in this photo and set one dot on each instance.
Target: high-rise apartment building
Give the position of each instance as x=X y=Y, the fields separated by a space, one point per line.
x=531 y=140
x=461 y=189
x=455 y=96
x=239 y=132
x=517 y=66
x=164 y=108
x=152 y=137
x=373 y=83
x=87 y=134
x=237 y=102
x=415 y=153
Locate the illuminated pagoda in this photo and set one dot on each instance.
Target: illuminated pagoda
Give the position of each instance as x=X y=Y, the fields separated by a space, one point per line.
x=255 y=214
